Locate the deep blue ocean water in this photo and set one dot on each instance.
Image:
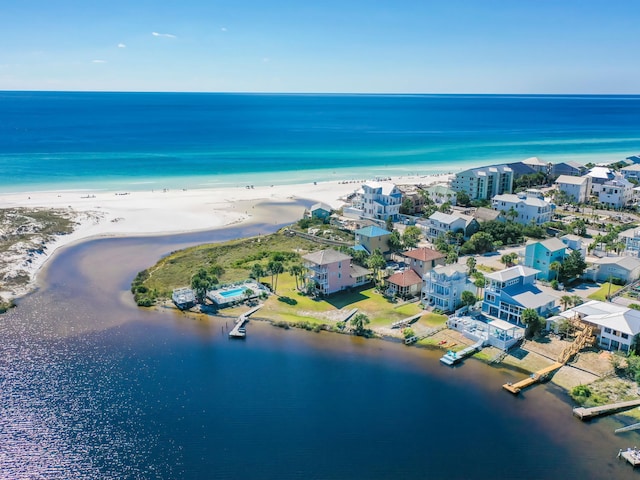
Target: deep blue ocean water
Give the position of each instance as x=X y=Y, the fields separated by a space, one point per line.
x=140 y=140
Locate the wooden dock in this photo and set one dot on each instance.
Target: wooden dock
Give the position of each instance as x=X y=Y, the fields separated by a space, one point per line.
x=239 y=330
x=589 y=413
x=405 y=322
x=451 y=358
x=631 y=455
x=583 y=339
x=538 y=376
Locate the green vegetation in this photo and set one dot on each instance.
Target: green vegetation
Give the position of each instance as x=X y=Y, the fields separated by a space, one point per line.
x=5 y=306
x=359 y=321
x=532 y=320
x=605 y=290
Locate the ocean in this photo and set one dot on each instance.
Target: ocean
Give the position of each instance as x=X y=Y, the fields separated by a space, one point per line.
x=138 y=141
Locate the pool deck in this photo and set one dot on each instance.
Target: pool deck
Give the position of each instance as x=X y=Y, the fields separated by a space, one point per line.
x=217 y=296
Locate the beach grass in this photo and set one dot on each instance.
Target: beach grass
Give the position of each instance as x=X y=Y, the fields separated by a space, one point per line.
x=602 y=293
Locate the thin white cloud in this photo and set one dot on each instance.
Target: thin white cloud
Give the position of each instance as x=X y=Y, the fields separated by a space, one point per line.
x=122 y=45
x=98 y=61
x=223 y=29
x=166 y=35
x=266 y=60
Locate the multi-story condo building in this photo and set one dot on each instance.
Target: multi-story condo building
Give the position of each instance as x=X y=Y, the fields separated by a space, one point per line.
x=529 y=207
x=485 y=182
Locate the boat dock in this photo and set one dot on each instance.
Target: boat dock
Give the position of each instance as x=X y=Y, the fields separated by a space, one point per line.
x=535 y=377
x=451 y=358
x=589 y=413
x=239 y=330
x=631 y=455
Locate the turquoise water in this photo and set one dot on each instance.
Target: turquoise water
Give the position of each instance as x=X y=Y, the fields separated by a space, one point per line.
x=139 y=141
x=232 y=293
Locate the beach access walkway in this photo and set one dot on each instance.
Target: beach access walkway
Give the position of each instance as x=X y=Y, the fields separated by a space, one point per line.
x=239 y=331
x=589 y=413
x=451 y=358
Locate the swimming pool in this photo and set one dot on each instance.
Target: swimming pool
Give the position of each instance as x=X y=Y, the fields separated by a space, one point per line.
x=232 y=293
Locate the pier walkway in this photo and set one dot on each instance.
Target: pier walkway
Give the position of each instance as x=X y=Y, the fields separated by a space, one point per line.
x=239 y=331
x=451 y=358
x=583 y=339
x=589 y=413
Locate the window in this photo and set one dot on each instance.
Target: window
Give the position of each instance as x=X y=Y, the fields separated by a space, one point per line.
x=625 y=336
x=607 y=330
x=491 y=298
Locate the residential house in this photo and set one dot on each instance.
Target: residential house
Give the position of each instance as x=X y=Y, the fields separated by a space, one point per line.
x=573 y=169
x=422 y=260
x=372 y=238
x=510 y=291
x=599 y=176
x=632 y=172
x=484 y=182
x=405 y=284
x=439 y=224
x=376 y=200
x=483 y=214
x=415 y=197
x=576 y=188
x=536 y=164
x=529 y=207
x=631 y=239
x=441 y=193
x=575 y=242
x=615 y=326
x=183 y=298
x=625 y=268
x=330 y=271
x=319 y=210
x=540 y=256
x=443 y=287
x=616 y=193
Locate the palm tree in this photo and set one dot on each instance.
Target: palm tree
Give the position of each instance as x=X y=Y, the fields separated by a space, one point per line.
x=566 y=300
x=276 y=269
x=576 y=300
x=555 y=267
x=471 y=265
x=257 y=272
x=296 y=270
x=479 y=282
x=248 y=293
x=376 y=261
x=358 y=322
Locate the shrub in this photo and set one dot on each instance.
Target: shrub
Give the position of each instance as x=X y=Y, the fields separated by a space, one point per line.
x=555 y=284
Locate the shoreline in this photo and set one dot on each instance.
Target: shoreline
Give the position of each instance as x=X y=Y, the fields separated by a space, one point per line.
x=163 y=212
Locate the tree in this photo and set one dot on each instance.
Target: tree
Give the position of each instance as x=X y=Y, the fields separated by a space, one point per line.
x=471 y=265
x=359 y=321
x=532 y=320
x=576 y=300
x=276 y=269
x=395 y=241
x=555 y=267
x=296 y=271
x=463 y=199
x=248 y=293
x=480 y=242
x=507 y=259
x=408 y=333
x=257 y=272
x=389 y=224
x=407 y=207
x=445 y=207
x=376 y=262
x=479 y=282
x=452 y=257
x=579 y=227
x=565 y=301
x=411 y=236
x=201 y=282
x=573 y=266
x=468 y=298
x=511 y=214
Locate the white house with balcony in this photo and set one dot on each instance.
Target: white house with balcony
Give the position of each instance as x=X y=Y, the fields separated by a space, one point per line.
x=616 y=326
x=599 y=176
x=376 y=200
x=439 y=224
x=576 y=188
x=529 y=207
x=443 y=287
x=631 y=240
x=617 y=192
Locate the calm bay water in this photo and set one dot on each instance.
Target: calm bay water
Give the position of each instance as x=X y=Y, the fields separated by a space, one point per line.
x=93 y=387
x=82 y=140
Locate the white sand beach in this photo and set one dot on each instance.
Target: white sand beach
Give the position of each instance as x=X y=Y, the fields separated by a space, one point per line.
x=139 y=213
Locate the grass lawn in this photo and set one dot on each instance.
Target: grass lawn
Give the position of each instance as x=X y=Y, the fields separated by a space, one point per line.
x=292 y=306
x=602 y=293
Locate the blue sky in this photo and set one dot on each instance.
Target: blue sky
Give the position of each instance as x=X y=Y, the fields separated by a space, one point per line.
x=373 y=46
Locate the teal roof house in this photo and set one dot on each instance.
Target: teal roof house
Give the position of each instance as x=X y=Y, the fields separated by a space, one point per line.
x=373 y=237
x=540 y=255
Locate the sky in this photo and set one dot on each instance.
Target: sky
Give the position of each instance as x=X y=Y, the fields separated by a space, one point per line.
x=328 y=46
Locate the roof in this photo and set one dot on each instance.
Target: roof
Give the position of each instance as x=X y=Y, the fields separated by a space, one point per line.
x=533 y=298
x=511 y=273
x=627 y=262
x=630 y=233
x=486 y=214
x=320 y=206
x=572 y=238
x=449 y=218
x=325 y=257
x=372 y=231
x=569 y=180
x=600 y=172
x=511 y=198
x=359 y=248
x=609 y=315
x=386 y=188
x=405 y=278
x=553 y=244
x=356 y=271
x=424 y=254
x=632 y=168
x=441 y=188
x=451 y=269
x=502 y=325
x=535 y=161
x=520 y=168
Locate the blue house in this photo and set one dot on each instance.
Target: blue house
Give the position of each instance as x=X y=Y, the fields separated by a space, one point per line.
x=513 y=290
x=373 y=237
x=319 y=210
x=540 y=255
